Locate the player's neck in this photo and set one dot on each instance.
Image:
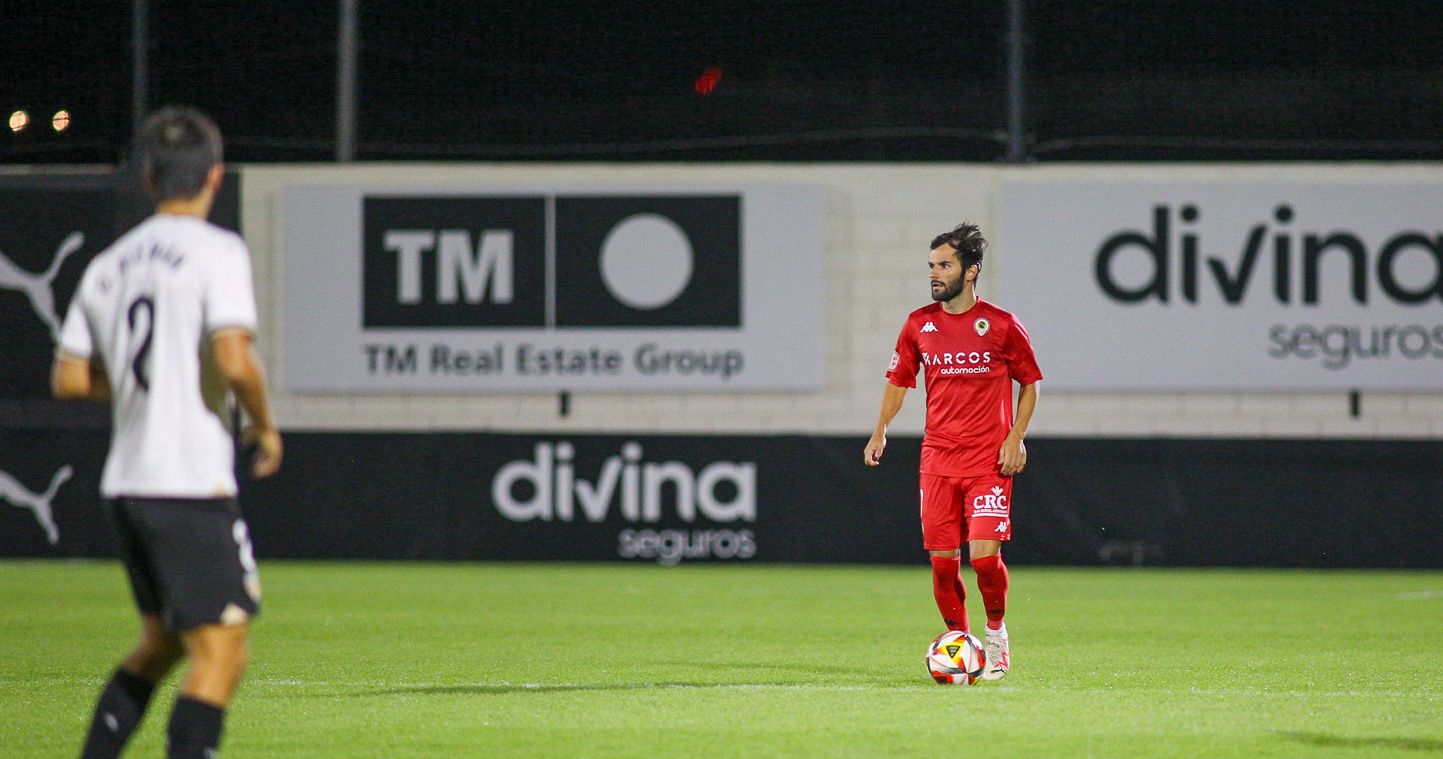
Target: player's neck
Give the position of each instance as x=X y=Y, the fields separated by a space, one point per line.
x=964 y=300
x=197 y=206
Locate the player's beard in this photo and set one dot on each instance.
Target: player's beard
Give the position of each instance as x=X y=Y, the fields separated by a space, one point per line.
x=948 y=292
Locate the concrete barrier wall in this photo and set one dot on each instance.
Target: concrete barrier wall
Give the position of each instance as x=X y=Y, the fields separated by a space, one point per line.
x=879 y=220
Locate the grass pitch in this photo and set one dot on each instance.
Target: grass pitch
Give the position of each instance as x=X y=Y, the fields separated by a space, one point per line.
x=441 y=660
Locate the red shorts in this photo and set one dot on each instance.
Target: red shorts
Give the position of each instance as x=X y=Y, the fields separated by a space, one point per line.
x=958 y=509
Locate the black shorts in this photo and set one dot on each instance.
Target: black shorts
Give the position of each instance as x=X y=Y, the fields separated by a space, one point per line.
x=189 y=560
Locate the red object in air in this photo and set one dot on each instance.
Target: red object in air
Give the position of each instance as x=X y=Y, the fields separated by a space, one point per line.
x=707 y=82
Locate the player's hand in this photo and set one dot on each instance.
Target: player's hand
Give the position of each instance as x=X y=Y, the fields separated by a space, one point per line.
x=268 y=450
x=872 y=455
x=1012 y=458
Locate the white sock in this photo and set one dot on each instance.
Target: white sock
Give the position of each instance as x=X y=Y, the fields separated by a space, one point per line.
x=999 y=631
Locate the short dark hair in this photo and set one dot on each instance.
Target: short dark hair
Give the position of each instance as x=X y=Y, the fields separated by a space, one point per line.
x=178 y=147
x=967 y=243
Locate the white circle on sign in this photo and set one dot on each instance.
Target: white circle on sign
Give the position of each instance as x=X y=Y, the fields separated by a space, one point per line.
x=646 y=261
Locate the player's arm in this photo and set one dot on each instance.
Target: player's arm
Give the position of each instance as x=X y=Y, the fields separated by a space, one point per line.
x=241 y=367
x=1013 y=456
x=73 y=378
x=892 y=398
x=77 y=374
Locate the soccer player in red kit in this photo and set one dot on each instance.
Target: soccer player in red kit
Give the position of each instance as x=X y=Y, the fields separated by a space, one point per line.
x=970 y=352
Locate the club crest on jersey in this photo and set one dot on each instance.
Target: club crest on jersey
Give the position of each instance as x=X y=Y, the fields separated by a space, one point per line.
x=981 y=325
x=930 y=327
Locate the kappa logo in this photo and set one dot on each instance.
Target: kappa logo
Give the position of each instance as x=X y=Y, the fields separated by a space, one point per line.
x=981 y=325
x=930 y=327
x=39 y=288
x=1001 y=527
x=38 y=503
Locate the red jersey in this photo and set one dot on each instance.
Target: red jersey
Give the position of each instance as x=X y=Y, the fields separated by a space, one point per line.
x=970 y=361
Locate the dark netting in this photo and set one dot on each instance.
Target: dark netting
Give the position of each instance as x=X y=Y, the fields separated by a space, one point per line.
x=726 y=81
x=1236 y=80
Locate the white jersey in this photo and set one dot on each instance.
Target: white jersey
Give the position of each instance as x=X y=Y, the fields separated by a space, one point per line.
x=147 y=307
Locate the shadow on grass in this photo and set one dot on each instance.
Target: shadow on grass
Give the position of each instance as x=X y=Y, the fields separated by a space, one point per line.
x=868 y=676
x=1324 y=740
x=806 y=669
x=499 y=689
x=503 y=689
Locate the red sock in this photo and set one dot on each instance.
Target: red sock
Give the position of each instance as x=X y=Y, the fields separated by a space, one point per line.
x=992 y=582
x=947 y=589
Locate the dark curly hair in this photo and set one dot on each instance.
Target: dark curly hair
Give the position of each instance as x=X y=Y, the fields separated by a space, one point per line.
x=966 y=241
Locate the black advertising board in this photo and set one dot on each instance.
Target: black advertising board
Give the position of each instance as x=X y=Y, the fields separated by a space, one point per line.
x=51 y=225
x=586 y=497
x=785 y=498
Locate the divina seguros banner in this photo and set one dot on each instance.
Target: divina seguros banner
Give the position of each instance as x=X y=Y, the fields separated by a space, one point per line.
x=454 y=290
x=670 y=499
x=1229 y=283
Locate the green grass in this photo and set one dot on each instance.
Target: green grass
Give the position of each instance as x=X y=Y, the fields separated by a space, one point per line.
x=438 y=660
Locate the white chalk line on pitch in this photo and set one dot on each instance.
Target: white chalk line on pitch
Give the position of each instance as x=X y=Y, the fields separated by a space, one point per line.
x=541 y=687
x=1419 y=595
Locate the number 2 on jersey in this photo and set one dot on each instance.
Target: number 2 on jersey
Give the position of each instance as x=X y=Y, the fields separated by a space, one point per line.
x=139 y=365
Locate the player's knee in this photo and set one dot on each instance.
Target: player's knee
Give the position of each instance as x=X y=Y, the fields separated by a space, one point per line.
x=158 y=645
x=153 y=664
x=240 y=656
x=155 y=654
x=224 y=665
x=167 y=651
x=948 y=554
x=236 y=653
x=217 y=644
x=981 y=549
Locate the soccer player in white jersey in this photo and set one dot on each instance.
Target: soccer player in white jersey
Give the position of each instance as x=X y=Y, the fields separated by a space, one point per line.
x=162 y=325
x=970 y=352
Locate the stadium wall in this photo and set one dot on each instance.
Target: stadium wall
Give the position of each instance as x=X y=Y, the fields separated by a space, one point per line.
x=1287 y=476
x=878 y=221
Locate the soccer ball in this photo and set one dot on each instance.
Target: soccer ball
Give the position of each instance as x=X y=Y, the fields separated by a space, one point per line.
x=956 y=658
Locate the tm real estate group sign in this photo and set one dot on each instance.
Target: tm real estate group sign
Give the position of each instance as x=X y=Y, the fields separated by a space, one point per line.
x=457 y=289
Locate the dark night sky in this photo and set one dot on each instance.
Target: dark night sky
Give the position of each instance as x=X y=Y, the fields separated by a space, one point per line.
x=811 y=80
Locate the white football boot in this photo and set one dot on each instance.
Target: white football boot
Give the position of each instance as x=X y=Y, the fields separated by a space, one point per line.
x=998 y=656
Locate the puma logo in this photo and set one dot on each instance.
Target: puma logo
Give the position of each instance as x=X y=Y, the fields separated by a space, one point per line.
x=38 y=503
x=39 y=288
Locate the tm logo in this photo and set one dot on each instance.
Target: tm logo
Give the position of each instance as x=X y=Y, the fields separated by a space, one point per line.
x=551 y=261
